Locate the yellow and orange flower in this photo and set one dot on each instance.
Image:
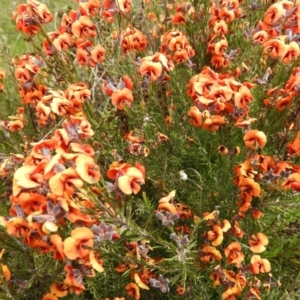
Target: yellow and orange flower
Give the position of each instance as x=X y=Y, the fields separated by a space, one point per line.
x=259 y=265
x=254 y=139
x=234 y=254
x=210 y=254
x=258 y=242
x=133 y=290
x=79 y=244
x=122 y=98
x=131 y=181
x=215 y=235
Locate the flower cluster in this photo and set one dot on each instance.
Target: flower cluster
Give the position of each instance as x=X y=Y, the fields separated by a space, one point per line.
x=175 y=46
x=217 y=95
x=132 y=39
x=127 y=178
x=277 y=33
x=220 y=18
x=30 y=16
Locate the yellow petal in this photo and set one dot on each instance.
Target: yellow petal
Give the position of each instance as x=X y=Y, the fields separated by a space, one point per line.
x=124 y=184
x=139 y=282
x=95 y=263
x=70 y=248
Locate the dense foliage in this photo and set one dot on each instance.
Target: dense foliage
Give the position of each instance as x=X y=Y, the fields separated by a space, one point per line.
x=150 y=150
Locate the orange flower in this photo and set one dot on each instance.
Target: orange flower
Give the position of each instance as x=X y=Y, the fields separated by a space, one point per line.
x=215 y=276
x=179 y=18
x=225 y=225
x=209 y=254
x=291 y=52
x=18 y=227
x=236 y=230
x=61 y=41
x=78 y=127
x=13 y=126
x=162 y=138
x=130 y=182
x=124 y=5
x=256 y=213
x=61 y=105
x=133 y=290
x=230 y=292
x=258 y=242
x=40 y=10
x=117 y=169
x=275 y=47
x=196 y=116
x=82 y=56
x=180 y=56
x=294 y=146
x=260 y=37
x=90 y=7
x=49 y=296
x=219 y=61
x=211 y=217
x=83 y=27
x=132 y=39
x=121 y=98
x=180 y=290
x=165 y=203
x=153 y=66
x=107 y=15
x=277 y=11
x=80 y=242
x=234 y=254
x=59 y=290
x=213 y=123
x=97 y=55
x=82 y=148
x=176 y=46
x=220 y=27
x=36 y=243
x=57 y=247
x=254 y=139
x=293 y=181
x=121 y=268
x=244 y=201
x=151 y=69
x=78 y=92
x=259 y=265
x=44 y=114
x=245 y=124
x=216 y=235
x=65 y=181
x=87 y=169
x=284 y=101
x=249 y=186
x=223 y=150
x=30 y=202
x=5 y=270
x=219 y=48
x=115 y=5
x=28 y=15
x=226 y=14
x=26 y=177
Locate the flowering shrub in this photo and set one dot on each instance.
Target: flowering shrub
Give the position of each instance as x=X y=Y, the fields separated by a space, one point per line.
x=151 y=151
